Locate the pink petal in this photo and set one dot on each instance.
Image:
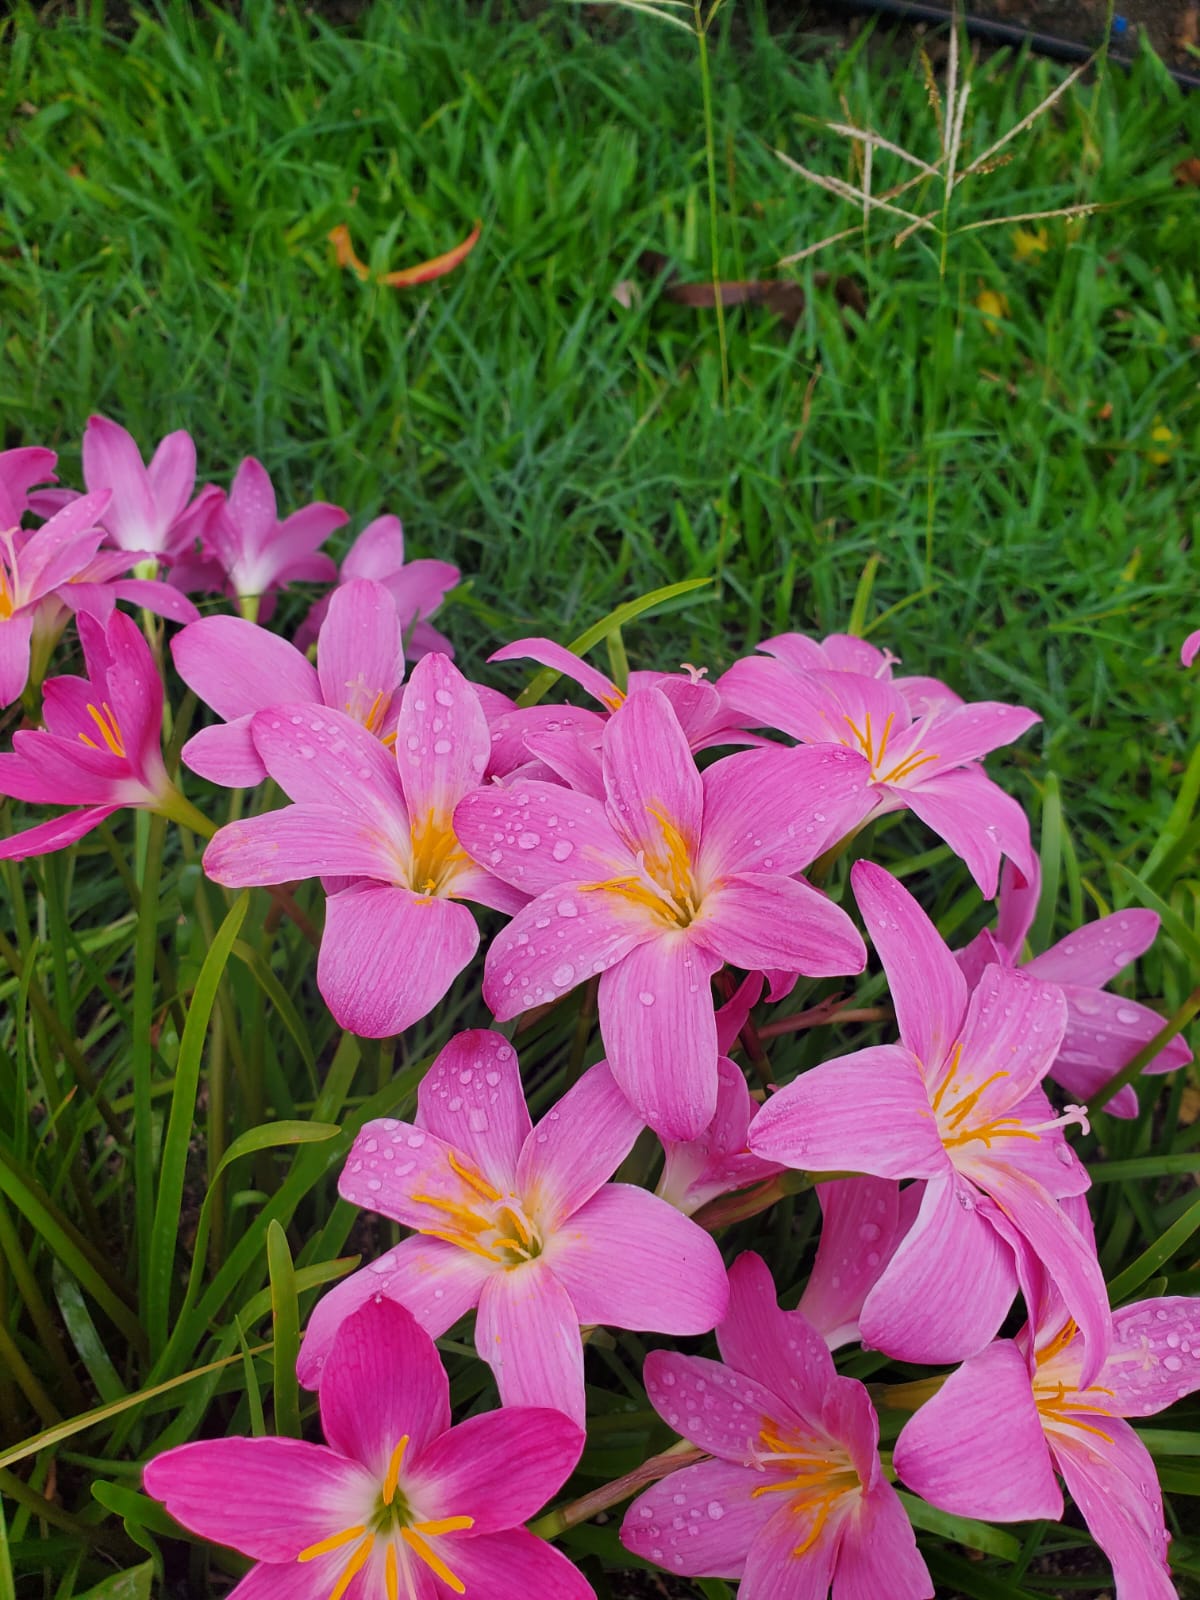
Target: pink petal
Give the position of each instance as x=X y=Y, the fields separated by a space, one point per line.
x=225 y=754
x=360 y=657
x=866 y=1112
x=878 y=1553
x=135 y=691
x=1011 y=1034
x=660 y=1032
x=650 y=775
x=1019 y=896
x=528 y=1333
x=717 y=1160
x=776 y=810
x=1104 y=1031
x=388 y=956
x=719 y=1410
x=513 y=1566
x=161 y=598
x=1113 y=1482
x=434 y=1280
x=573 y=757
x=948 y=1288
x=772 y=1570
x=1093 y=954
x=860 y=1220
x=383 y=1379
x=326 y=758
x=771 y=695
x=442 y=741
x=236 y=667
x=756 y=919
x=297 y=842
x=540 y=836
x=629 y=1260
x=977 y=820
x=252 y=510
x=707 y=1533
x=111 y=460
x=969 y=732
x=523 y=1454
x=1154 y=1359
x=977 y=1448
x=548 y=654
x=557 y=941
x=53 y=835
x=268 y=1498
x=779 y=1349
x=172 y=473
x=924 y=982
x=15 y=634
x=471 y=1097
x=61 y=548
x=291 y=1580
x=577 y=1146
x=1190 y=646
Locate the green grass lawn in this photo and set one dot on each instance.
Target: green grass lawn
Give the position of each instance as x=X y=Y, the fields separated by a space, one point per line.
x=1003 y=491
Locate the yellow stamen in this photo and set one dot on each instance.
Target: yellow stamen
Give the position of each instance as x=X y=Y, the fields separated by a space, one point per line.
x=477 y=1182
x=906 y=768
x=465 y=1218
x=436 y=854
x=334 y=1542
x=393 y=1471
x=463 y=1244
x=391 y=1573
x=967 y=1104
x=445 y=1525
x=432 y=1560
x=613 y=701
x=109 y=729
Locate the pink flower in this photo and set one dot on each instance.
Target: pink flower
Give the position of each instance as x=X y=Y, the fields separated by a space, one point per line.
x=718 y=1160
x=399 y=1505
x=1190 y=646
x=417 y=587
x=863 y=1221
x=1104 y=1031
x=101 y=746
x=958 y=1103
x=395 y=941
x=926 y=761
x=989 y=1442
x=238 y=668
x=657 y=887
x=149 y=511
x=794 y=1499
x=255 y=550
x=521 y=1222
x=20 y=470
x=845 y=652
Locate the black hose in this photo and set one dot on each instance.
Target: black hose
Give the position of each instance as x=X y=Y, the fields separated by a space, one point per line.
x=1044 y=44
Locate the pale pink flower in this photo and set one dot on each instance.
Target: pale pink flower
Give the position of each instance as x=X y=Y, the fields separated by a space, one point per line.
x=255 y=551
x=20 y=470
x=845 y=652
x=522 y=1222
x=149 y=512
x=400 y=1504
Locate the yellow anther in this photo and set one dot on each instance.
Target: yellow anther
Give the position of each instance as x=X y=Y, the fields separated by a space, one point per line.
x=393 y=1471
x=334 y=1542
x=108 y=727
x=391 y=1574
x=431 y=1558
x=353 y=1567
x=477 y=1181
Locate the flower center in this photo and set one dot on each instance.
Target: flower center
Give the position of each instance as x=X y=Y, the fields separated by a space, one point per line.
x=437 y=856
x=960 y=1122
x=816 y=1474
x=666 y=883
x=864 y=738
x=484 y=1221
x=1060 y=1404
x=108 y=728
x=403 y=1536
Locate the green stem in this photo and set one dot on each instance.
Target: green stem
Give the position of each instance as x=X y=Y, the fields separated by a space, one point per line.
x=142 y=1047
x=611 y=1494
x=710 y=155
x=178 y=808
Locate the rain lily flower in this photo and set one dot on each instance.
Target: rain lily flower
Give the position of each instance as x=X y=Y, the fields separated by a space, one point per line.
x=100 y=749
x=1104 y=1031
x=394 y=942
x=417 y=587
x=794 y=1499
x=257 y=552
x=149 y=511
x=399 y=1505
x=521 y=1222
x=20 y=470
x=925 y=761
x=718 y=1160
x=238 y=668
x=1190 y=646
x=958 y=1103
x=863 y=1221
x=657 y=887
x=989 y=1442
x=845 y=652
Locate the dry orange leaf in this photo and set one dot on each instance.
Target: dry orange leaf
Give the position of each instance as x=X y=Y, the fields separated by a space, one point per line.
x=423 y=272
x=1187 y=173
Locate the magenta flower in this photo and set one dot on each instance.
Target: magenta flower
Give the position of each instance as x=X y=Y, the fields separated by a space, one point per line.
x=1104 y=1031
x=863 y=1221
x=417 y=587
x=794 y=1499
x=238 y=668
x=255 y=550
x=925 y=761
x=845 y=652
x=399 y=1505
x=20 y=470
x=100 y=749
x=521 y=1222
x=149 y=511
x=659 y=886
x=1191 y=645
x=989 y=1442
x=958 y=1103
x=395 y=941
x=718 y=1160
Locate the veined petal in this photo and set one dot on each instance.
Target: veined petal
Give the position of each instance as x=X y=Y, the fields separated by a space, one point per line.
x=292 y=1580
x=548 y=654
x=305 y=841
x=515 y=1565
x=436 y=1281
x=225 y=754
x=323 y=757
x=528 y=1333
x=1092 y=955
x=878 y=1554
x=860 y=1222
x=1010 y=1036
x=777 y=810
x=15 y=634
x=1019 y=896
x=111 y=460
x=471 y=1097
x=53 y=835
x=518 y=1457
x=866 y=1112
x=779 y=1349
x=541 y=837
x=442 y=741
x=269 y=1498
x=773 y=1569
x=172 y=473
x=383 y=1380
x=708 y=1533
x=556 y=941
x=149 y=593
x=1114 y=1484
x=388 y=956
x=577 y=1146
x=629 y=1260
x=756 y=919
x=659 y=1028
x=650 y=775
x=238 y=668
x=977 y=820
x=360 y=655
x=977 y=1448
x=1154 y=1358
x=926 y=986
x=770 y=694
x=712 y=1406
x=919 y=1310
x=967 y=733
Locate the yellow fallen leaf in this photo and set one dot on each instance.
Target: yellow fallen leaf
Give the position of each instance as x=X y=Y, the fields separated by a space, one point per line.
x=1161 y=435
x=1030 y=242
x=993 y=305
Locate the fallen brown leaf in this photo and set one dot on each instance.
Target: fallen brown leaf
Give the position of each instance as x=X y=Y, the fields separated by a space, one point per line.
x=780 y=295
x=408 y=277
x=1187 y=173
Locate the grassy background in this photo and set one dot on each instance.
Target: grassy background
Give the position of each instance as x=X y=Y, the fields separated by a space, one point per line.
x=166 y=196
